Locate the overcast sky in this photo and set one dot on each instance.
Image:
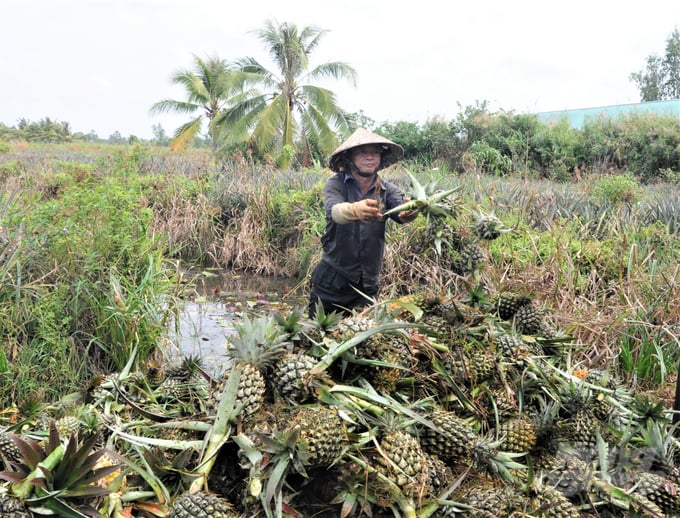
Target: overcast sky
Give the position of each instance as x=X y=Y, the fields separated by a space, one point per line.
x=100 y=64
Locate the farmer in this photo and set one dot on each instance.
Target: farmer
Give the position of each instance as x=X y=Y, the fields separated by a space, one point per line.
x=354 y=241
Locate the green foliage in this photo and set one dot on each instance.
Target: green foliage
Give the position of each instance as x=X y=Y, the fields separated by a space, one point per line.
x=660 y=79
x=647 y=353
x=40 y=341
x=616 y=189
x=487 y=159
x=83 y=279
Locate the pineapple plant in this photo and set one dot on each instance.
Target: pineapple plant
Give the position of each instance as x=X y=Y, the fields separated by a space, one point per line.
x=60 y=475
x=202 y=504
x=314 y=330
x=258 y=344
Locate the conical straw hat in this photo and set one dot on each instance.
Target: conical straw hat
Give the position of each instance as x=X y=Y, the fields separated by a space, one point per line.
x=392 y=152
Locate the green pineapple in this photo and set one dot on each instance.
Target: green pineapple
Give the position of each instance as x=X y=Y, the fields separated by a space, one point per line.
x=468 y=258
x=565 y=472
x=507 y=303
x=67 y=426
x=315 y=329
x=660 y=490
x=510 y=345
x=202 y=505
x=459 y=313
x=9 y=451
x=352 y=325
x=258 y=344
x=487 y=226
x=487 y=497
x=403 y=460
x=322 y=432
x=440 y=475
x=528 y=320
x=183 y=381
x=473 y=364
x=547 y=502
x=517 y=435
x=11 y=507
x=452 y=438
x=391 y=348
x=290 y=376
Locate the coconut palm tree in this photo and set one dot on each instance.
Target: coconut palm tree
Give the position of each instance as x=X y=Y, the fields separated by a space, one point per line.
x=287 y=106
x=209 y=87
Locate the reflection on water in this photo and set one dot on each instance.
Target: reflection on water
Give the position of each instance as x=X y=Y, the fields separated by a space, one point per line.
x=207 y=318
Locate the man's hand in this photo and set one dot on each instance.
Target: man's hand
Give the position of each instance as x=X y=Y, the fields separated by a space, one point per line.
x=366 y=210
x=406 y=216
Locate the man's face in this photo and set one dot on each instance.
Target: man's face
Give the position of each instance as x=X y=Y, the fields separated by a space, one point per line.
x=366 y=158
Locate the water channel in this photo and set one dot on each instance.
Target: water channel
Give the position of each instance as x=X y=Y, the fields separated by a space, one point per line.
x=207 y=318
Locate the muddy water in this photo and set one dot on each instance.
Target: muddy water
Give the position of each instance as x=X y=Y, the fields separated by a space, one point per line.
x=208 y=317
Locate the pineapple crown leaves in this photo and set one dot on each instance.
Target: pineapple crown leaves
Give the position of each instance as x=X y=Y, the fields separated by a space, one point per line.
x=498 y=464
x=291 y=323
x=338 y=350
x=258 y=341
x=426 y=199
x=60 y=478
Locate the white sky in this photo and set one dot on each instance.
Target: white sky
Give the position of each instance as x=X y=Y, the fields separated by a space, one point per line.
x=100 y=64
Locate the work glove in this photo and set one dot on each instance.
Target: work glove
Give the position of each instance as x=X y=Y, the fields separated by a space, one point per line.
x=364 y=210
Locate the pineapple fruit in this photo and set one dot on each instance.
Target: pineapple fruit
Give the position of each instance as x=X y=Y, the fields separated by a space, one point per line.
x=202 y=505
x=258 y=344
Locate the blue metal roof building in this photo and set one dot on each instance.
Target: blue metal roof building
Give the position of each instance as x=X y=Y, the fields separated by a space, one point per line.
x=577 y=118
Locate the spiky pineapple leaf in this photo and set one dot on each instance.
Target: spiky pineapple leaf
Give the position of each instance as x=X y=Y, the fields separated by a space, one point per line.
x=424 y=198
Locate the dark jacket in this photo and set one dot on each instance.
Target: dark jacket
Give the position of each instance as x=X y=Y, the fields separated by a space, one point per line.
x=356 y=249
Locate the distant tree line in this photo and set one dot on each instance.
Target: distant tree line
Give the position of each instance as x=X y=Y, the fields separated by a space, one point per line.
x=58 y=132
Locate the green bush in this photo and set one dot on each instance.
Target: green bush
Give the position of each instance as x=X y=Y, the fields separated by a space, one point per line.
x=616 y=189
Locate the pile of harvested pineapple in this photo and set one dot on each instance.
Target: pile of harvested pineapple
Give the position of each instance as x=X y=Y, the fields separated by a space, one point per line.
x=422 y=405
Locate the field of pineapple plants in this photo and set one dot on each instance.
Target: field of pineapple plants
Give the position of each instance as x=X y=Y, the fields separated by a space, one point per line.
x=520 y=361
